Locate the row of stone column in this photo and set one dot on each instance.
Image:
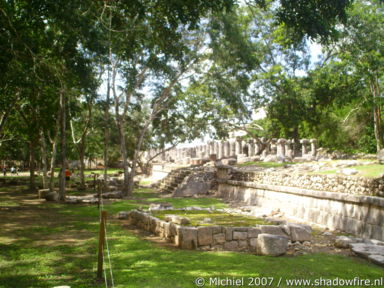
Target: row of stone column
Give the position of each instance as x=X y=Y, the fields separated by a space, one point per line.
x=237 y=147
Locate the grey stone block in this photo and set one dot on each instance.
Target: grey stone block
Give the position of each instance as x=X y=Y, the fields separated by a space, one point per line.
x=274 y=245
x=187 y=237
x=272 y=229
x=204 y=235
x=240 y=235
x=218 y=238
x=300 y=232
x=253 y=232
x=231 y=245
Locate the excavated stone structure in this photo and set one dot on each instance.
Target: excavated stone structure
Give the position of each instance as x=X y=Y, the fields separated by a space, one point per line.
x=240 y=149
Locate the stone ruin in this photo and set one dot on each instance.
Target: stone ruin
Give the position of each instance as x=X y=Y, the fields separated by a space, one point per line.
x=272 y=240
x=237 y=148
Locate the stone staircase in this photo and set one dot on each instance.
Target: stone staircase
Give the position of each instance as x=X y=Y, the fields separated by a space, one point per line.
x=171 y=182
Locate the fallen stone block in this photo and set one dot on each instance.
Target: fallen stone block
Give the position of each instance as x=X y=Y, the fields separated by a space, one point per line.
x=273 y=245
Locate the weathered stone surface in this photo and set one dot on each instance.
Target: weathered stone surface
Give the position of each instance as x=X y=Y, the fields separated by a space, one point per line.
x=300 y=232
x=274 y=245
x=253 y=232
x=228 y=233
x=204 y=235
x=232 y=245
x=219 y=238
x=187 y=237
x=253 y=244
x=243 y=244
x=240 y=235
x=378 y=259
x=217 y=229
x=345 y=241
x=272 y=229
x=370 y=251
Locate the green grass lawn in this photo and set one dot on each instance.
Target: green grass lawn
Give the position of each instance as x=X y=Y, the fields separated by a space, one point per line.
x=217 y=218
x=371 y=171
x=49 y=244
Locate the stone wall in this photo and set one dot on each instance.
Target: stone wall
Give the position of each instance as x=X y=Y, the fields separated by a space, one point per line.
x=252 y=239
x=357 y=214
x=333 y=183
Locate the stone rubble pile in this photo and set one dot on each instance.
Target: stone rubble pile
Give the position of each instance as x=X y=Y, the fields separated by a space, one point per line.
x=262 y=239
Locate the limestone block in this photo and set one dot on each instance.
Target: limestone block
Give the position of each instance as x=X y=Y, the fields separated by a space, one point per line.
x=187 y=237
x=204 y=236
x=253 y=244
x=219 y=238
x=300 y=232
x=253 y=232
x=217 y=229
x=173 y=229
x=231 y=245
x=272 y=229
x=240 y=235
x=167 y=230
x=229 y=233
x=274 y=245
x=243 y=244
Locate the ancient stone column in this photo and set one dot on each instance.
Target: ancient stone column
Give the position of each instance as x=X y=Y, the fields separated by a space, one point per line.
x=273 y=146
x=220 y=152
x=251 y=147
x=238 y=146
x=288 y=149
x=281 y=147
x=257 y=147
x=226 y=149
x=313 y=147
x=304 y=143
x=232 y=148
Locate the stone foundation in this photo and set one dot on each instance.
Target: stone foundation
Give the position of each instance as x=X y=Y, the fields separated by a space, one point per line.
x=261 y=239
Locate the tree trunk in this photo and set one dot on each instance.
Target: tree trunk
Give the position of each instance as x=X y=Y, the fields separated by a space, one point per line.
x=32 y=182
x=375 y=90
x=123 y=150
x=63 y=145
x=52 y=165
x=131 y=178
x=377 y=127
x=44 y=160
x=82 y=164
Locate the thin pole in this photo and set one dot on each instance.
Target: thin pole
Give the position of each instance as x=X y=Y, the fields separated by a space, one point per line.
x=100 y=259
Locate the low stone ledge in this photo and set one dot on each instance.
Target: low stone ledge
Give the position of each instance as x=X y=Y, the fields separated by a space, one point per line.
x=216 y=237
